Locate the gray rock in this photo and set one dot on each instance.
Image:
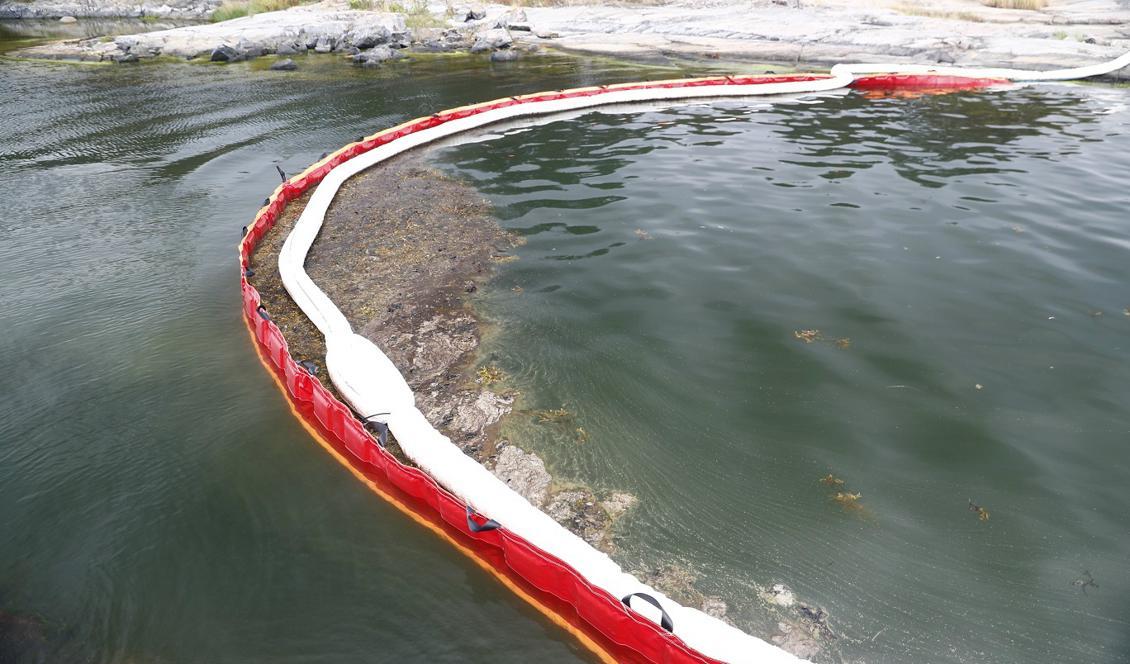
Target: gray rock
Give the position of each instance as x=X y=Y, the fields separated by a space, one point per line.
x=68 y=19
x=125 y=58
x=510 y=18
x=323 y=45
x=524 y=473
x=290 y=48
x=546 y=34
x=373 y=58
x=227 y=54
x=284 y=65
x=504 y=55
x=491 y=40
x=470 y=13
x=368 y=36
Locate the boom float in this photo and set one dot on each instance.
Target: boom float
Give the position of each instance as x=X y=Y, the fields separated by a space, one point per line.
x=612 y=613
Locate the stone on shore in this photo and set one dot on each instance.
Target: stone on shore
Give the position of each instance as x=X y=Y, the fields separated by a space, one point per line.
x=68 y=19
x=376 y=56
x=284 y=65
x=227 y=54
x=491 y=40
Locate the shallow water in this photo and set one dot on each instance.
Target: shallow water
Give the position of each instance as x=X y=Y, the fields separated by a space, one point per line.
x=968 y=252
x=158 y=502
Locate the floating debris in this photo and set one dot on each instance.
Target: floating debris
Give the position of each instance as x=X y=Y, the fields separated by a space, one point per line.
x=1126 y=311
x=982 y=513
x=582 y=435
x=489 y=375
x=642 y=234
x=517 y=289
x=847 y=499
x=553 y=415
x=807 y=336
x=1097 y=313
x=831 y=480
x=979 y=386
x=1083 y=582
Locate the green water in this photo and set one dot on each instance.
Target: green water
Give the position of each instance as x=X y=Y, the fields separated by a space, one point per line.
x=974 y=249
x=158 y=503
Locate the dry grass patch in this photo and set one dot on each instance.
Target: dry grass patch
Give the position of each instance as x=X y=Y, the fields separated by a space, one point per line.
x=1033 y=5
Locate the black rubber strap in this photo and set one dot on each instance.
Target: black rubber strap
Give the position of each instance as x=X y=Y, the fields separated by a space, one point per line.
x=249 y=273
x=243 y=233
x=310 y=366
x=489 y=524
x=263 y=312
x=664 y=619
x=380 y=428
x=281 y=173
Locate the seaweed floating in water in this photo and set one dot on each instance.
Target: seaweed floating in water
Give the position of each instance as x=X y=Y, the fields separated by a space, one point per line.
x=831 y=480
x=553 y=415
x=848 y=499
x=1084 y=581
x=489 y=375
x=582 y=435
x=642 y=234
x=982 y=513
x=810 y=336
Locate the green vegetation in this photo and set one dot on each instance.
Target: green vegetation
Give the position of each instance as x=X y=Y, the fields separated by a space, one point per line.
x=416 y=14
x=240 y=8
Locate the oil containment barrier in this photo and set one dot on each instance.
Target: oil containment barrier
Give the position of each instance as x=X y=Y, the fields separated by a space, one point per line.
x=611 y=612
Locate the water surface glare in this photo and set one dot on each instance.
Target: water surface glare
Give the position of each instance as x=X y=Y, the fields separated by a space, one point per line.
x=926 y=298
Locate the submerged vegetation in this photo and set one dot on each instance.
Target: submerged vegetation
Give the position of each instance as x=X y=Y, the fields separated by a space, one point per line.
x=489 y=375
x=811 y=336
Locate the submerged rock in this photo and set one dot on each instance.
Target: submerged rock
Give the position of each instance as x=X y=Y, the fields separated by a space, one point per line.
x=284 y=65
x=505 y=55
x=525 y=473
x=68 y=19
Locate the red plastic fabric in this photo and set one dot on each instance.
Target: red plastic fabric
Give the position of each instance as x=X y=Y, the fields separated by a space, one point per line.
x=921 y=81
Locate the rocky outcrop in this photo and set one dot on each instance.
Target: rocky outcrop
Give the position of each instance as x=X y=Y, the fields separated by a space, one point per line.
x=291 y=32
x=180 y=9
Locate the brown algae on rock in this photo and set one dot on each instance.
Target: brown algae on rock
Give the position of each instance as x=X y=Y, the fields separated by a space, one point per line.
x=401 y=250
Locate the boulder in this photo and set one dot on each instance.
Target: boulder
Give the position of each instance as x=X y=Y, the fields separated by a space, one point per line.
x=511 y=18
x=290 y=48
x=466 y=13
x=375 y=56
x=227 y=53
x=491 y=40
x=368 y=36
x=323 y=45
x=68 y=19
x=285 y=64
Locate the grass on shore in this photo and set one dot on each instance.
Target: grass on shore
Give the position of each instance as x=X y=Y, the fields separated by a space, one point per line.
x=1016 y=4
x=416 y=14
x=915 y=10
x=240 y=8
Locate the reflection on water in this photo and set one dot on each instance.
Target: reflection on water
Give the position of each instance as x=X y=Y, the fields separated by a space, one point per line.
x=870 y=348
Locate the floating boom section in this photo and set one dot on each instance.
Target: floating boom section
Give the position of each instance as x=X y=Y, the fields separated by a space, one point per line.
x=612 y=612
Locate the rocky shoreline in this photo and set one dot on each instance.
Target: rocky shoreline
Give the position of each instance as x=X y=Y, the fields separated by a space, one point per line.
x=795 y=33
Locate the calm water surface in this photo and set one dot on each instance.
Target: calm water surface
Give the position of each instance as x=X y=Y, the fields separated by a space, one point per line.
x=926 y=298
x=158 y=503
